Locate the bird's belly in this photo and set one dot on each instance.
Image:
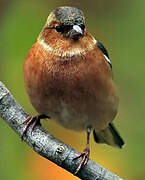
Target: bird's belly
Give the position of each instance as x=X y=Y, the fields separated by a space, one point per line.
x=76 y=107
x=71 y=119
x=77 y=115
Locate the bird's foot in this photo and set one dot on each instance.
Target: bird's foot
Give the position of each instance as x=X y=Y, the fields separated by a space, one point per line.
x=34 y=120
x=85 y=158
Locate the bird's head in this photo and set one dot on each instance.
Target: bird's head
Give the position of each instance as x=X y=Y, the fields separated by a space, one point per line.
x=64 y=33
x=68 y=22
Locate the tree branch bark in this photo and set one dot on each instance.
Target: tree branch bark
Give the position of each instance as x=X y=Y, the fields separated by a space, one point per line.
x=45 y=144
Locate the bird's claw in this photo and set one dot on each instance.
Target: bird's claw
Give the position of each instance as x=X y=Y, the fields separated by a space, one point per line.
x=34 y=120
x=85 y=158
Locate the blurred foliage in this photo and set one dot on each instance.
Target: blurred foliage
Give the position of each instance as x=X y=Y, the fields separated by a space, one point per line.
x=120 y=26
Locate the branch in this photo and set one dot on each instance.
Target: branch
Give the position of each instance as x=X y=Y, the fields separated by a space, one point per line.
x=45 y=144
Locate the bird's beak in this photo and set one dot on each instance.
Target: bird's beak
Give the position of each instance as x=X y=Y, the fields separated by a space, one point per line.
x=77 y=29
x=75 y=32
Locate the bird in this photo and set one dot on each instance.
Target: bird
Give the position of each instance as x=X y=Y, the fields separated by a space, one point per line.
x=68 y=77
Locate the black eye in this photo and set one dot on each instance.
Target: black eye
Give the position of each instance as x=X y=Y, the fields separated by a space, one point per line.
x=59 y=28
x=82 y=26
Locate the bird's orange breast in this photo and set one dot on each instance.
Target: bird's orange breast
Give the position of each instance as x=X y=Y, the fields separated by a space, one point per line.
x=76 y=90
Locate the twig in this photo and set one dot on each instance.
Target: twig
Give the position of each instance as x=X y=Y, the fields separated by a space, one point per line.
x=45 y=144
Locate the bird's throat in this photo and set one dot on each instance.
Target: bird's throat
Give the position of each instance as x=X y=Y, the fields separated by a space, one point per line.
x=67 y=51
x=62 y=52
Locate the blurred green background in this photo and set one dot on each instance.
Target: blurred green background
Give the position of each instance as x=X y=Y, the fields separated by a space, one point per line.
x=120 y=26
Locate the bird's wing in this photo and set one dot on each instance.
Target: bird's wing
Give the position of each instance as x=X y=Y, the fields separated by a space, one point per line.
x=104 y=51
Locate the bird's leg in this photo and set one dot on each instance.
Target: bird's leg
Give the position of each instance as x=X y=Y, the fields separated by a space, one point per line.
x=86 y=152
x=34 y=120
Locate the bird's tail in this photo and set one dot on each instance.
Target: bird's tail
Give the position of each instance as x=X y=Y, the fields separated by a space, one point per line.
x=109 y=136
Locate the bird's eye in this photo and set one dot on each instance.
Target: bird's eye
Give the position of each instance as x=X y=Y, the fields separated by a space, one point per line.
x=82 y=26
x=59 y=28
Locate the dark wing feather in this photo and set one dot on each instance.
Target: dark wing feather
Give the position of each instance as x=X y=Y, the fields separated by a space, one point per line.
x=104 y=51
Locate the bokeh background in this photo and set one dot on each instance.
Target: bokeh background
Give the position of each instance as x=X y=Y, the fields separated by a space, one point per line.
x=120 y=26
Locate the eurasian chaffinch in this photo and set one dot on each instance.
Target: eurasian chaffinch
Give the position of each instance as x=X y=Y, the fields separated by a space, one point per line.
x=68 y=76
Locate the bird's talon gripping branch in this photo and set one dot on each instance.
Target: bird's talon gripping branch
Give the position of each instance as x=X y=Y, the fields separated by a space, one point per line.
x=85 y=158
x=86 y=152
x=34 y=120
